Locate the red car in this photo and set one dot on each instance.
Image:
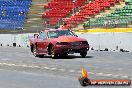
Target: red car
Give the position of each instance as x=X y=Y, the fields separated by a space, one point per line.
x=58 y=42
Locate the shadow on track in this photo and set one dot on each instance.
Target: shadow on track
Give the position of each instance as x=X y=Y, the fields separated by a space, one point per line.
x=67 y=57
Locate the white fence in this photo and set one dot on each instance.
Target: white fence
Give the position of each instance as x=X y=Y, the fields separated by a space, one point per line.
x=19 y=39
x=99 y=41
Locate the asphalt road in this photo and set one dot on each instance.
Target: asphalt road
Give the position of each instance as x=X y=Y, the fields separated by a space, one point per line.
x=20 y=69
x=14 y=79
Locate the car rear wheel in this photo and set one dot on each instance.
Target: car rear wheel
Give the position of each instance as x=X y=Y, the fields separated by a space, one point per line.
x=64 y=55
x=53 y=54
x=83 y=54
x=41 y=56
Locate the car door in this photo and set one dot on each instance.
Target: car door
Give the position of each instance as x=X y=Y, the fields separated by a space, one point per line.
x=42 y=42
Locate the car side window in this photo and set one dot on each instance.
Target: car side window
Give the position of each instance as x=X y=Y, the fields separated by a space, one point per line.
x=42 y=35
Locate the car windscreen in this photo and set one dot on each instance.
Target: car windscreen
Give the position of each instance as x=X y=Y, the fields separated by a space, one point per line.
x=57 y=33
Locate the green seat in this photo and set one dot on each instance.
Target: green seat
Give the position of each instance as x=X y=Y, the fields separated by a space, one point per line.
x=120 y=15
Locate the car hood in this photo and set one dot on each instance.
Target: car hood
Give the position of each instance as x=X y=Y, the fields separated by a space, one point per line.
x=68 y=39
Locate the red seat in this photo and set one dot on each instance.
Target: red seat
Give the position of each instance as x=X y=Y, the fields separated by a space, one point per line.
x=60 y=9
x=89 y=9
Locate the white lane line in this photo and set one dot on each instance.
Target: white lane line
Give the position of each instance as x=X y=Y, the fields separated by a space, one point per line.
x=29 y=66
x=61 y=70
x=22 y=65
x=101 y=74
x=107 y=75
x=35 y=66
x=46 y=68
x=32 y=66
x=7 y=64
x=124 y=76
x=53 y=68
x=72 y=71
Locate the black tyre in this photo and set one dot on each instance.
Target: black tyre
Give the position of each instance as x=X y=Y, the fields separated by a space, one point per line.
x=83 y=54
x=35 y=52
x=53 y=54
x=84 y=81
x=41 y=56
x=64 y=55
x=31 y=48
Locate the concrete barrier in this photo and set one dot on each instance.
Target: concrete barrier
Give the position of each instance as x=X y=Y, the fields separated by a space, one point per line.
x=15 y=40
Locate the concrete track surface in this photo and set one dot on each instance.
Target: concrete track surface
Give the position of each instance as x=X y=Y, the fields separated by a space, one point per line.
x=20 y=69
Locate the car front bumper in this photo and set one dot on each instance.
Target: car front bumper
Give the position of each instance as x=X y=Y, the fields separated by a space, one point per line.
x=60 y=49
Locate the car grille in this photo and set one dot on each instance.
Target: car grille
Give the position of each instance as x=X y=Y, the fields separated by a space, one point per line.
x=75 y=43
x=79 y=43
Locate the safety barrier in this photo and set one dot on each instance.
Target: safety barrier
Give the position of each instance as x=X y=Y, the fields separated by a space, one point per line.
x=105 y=30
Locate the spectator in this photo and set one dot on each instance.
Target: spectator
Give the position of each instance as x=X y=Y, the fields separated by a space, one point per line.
x=22 y=13
x=64 y=26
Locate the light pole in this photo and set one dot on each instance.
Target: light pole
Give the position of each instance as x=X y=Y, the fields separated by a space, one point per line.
x=73 y=6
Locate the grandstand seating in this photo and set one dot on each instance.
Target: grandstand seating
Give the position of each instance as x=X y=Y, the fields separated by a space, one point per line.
x=60 y=9
x=121 y=17
x=90 y=9
x=13 y=13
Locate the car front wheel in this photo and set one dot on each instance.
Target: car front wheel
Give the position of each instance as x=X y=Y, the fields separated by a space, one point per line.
x=53 y=54
x=83 y=54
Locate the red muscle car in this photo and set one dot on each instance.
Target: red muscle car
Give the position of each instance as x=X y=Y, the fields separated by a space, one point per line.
x=58 y=42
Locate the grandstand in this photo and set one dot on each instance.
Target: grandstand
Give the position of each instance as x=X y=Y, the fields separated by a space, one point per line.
x=74 y=14
x=31 y=21
x=121 y=17
x=13 y=14
x=60 y=9
x=35 y=15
